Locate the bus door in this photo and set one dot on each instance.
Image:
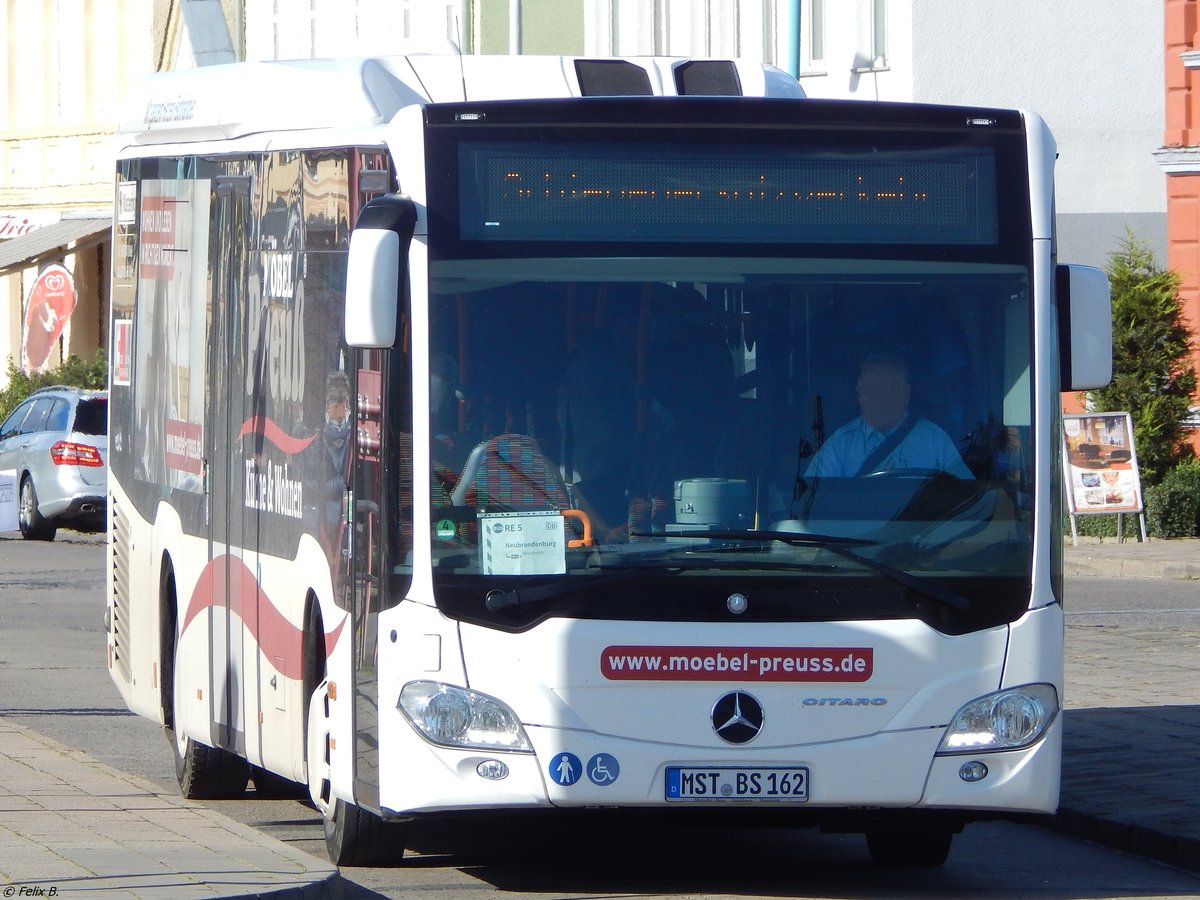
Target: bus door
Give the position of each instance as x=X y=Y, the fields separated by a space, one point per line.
x=365 y=584
x=234 y=366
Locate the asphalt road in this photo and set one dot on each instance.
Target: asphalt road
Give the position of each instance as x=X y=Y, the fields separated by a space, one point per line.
x=52 y=667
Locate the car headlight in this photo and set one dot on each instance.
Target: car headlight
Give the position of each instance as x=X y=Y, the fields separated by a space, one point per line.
x=456 y=717
x=1005 y=720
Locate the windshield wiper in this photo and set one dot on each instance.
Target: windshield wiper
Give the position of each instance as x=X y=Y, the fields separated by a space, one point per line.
x=840 y=546
x=497 y=599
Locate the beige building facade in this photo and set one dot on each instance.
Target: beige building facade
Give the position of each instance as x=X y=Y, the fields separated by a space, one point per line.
x=67 y=65
x=68 y=68
x=71 y=62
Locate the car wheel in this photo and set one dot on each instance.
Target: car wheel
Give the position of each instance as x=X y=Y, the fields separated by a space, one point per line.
x=34 y=527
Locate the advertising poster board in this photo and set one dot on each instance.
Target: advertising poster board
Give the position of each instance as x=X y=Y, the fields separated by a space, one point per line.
x=50 y=304
x=8 y=501
x=1101 y=465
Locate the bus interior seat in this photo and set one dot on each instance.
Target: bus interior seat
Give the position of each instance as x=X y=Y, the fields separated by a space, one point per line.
x=509 y=473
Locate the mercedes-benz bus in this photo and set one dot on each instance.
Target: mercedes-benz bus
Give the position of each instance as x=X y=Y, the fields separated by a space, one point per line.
x=467 y=426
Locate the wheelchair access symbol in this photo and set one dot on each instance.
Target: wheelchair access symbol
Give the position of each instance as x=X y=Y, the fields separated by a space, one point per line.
x=603 y=769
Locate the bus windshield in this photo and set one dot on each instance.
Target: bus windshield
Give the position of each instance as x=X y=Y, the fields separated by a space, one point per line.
x=765 y=350
x=705 y=426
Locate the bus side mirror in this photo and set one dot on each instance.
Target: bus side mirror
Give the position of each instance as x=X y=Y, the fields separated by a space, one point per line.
x=1084 y=327
x=375 y=270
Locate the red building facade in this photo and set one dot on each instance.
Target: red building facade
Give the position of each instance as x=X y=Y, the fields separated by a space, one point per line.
x=1180 y=157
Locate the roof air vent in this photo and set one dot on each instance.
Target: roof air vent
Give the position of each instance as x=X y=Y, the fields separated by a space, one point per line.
x=611 y=78
x=713 y=77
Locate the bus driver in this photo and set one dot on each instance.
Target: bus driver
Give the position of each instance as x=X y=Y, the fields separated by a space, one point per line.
x=885 y=437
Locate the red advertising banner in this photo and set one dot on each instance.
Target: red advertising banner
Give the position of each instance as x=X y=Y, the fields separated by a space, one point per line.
x=121 y=355
x=158 y=237
x=51 y=301
x=185 y=447
x=828 y=664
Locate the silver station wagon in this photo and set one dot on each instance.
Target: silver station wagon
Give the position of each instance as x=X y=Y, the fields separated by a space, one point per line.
x=56 y=444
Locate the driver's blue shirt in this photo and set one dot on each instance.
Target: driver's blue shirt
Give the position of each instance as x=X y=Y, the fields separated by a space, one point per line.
x=925 y=446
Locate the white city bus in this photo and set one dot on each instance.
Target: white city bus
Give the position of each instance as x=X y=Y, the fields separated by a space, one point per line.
x=467 y=418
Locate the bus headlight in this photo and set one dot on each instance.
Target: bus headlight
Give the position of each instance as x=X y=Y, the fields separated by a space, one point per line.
x=1005 y=720
x=456 y=717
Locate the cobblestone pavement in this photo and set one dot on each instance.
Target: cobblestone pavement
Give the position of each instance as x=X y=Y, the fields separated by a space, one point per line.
x=1132 y=740
x=1131 y=767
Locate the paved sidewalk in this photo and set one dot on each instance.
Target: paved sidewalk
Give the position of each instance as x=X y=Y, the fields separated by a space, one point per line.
x=1131 y=753
x=68 y=822
x=1108 y=558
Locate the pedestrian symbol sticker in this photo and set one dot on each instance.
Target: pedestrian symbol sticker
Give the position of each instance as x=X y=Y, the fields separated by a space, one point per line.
x=565 y=769
x=603 y=769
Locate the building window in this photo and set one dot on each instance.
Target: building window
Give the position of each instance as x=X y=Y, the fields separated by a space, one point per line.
x=872 y=53
x=879 y=33
x=294 y=29
x=812 y=37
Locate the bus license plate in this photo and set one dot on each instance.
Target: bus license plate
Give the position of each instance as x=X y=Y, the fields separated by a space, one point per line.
x=787 y=783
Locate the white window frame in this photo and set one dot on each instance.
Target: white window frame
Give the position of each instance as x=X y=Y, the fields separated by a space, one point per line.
x=813 y=37
x=872 y=37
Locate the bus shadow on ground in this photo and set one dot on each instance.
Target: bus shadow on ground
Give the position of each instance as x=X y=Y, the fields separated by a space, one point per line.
x=1129 y=777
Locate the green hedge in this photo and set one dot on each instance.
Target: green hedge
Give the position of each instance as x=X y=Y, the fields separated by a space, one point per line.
x=1172 y=509
x=1173 y=505
x=1102 y=526
x=75 y=372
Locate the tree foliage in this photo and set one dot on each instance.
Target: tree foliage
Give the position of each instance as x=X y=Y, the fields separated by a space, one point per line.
x=75 y=372
x=1153 y=378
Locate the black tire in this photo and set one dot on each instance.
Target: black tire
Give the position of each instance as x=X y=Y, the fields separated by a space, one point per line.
x=34 y=527
x=208 y=773
x=912 y=849
x=353 y=836
x=356 y=837
x=204 y=773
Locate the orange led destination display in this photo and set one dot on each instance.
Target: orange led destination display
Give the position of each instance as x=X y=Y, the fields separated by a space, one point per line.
x=614 y=192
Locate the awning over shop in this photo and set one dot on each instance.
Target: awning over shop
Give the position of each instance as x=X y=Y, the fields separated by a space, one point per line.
x=71 y=235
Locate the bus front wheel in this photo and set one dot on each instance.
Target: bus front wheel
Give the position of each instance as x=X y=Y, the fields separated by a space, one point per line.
x=357 y=837
x=204 y=773
x=208 y=773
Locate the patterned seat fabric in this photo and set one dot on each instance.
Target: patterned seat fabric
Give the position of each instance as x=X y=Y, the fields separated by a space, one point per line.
x=514 y=474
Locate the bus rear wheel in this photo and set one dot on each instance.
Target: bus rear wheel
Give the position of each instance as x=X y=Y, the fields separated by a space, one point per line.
x=357 y=837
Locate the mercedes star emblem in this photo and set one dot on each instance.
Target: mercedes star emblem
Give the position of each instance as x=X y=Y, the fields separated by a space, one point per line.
x=737 y=717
